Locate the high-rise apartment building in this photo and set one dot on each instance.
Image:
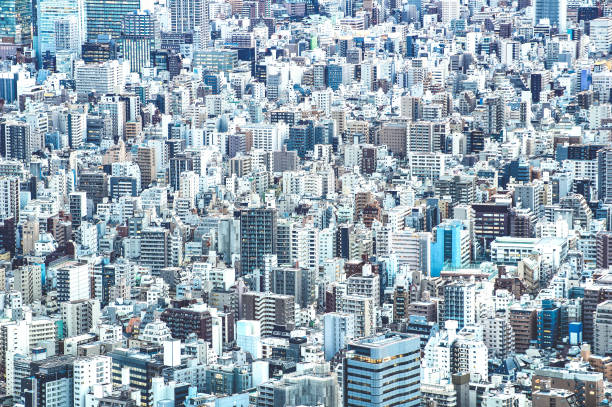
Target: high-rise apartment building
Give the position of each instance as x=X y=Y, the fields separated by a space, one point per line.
x=602 y=337
x=154 y=248
x=460 y=303
x=73 y=282
x=80 y=317
x=257 y=236
x=88 y=372
x=338 y=329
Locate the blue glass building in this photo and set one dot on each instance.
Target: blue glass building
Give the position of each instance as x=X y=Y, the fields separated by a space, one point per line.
x=549 y=319
x=451 y=248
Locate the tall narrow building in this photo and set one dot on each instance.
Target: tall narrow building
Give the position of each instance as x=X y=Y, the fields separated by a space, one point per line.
x=257 y=237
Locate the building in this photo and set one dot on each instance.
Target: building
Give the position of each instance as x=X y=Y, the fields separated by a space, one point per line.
x=73 y=282
x=105 y=17
x=80 y=317
x=588 y=386
x=338 y=330
x=370 y=376
x=49 y=13
x=103 y=77
x=452 y=247
x=460 y=303
x=601 y=34
x=87 y=373
x=49 y=382
x=154 y=249
x=273 y=311
x=602 y=338
x=189 y=15
x=183 y=322
x=257 y=237
x=28 y=281
x=555 y=11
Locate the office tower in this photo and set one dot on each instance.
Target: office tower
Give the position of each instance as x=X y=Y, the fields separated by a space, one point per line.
x=601 y=34
x=460 y=303
x=154 y=248
x=49 y=382
x=183 y=322
x=452 y=247
x=139 y=368
x=310 y=387
x=553 y=10
x=80 y=316
x=370 y=374
x=272 y=310
x=549 y=324
x=104 y=17
x=257 y=236
x=602 y=337
x=140 y=34
x=16 y=141
x=338 y=330
x=73 y=282
x=88 y=372
x=69 y=15
x=99 y=50
x=248 y=337
x=190 y=16
x=105 y=77
x=28 y=281
x=16 y=21
x=490 y=221
x=94 y=184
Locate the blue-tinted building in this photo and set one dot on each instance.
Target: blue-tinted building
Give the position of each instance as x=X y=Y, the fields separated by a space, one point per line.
x=8 y=86
x=451 y=248
x=301 y=139
x=334 y=76
x=383 y=370
x=549 y=320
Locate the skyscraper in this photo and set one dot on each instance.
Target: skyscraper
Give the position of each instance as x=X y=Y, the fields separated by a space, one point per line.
x=372 y=376
x=139 y=35
x=105 y=17
x=50 y=12
x=16 y=20
x=257 y=237
x=190 y=16
x=553 y=10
